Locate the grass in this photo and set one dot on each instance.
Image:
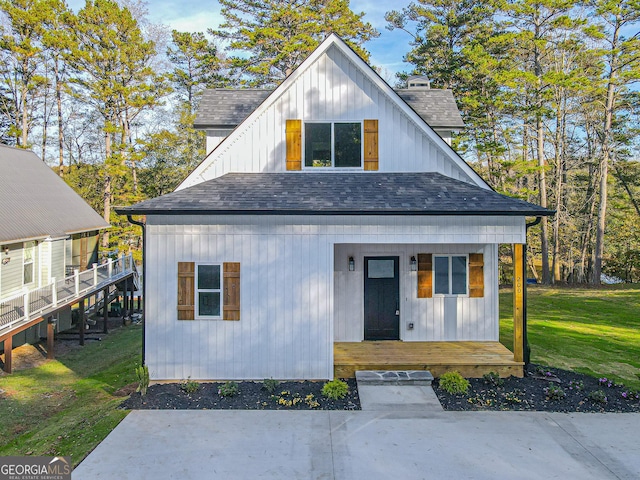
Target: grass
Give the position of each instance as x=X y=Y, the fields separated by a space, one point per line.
x=591 y=331
x=66 y=406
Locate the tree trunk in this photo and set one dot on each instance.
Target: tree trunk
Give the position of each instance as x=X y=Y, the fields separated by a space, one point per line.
x=606 y=156
x=107 y=186
x=544 y=230
x=24 y=133
x=56 y=67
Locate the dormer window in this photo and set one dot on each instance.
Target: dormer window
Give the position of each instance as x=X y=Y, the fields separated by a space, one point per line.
x=333 y=144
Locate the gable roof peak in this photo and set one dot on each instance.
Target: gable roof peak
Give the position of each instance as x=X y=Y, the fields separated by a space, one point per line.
x=333 y=40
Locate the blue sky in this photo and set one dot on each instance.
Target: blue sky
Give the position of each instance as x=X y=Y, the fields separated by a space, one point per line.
x=387 y=50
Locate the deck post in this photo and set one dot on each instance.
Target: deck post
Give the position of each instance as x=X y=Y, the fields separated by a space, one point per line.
x=8 y=345
x=54 y=292
x=81 y=321
x=105 y=313
x=519 y=286
x=95 y=274
x=50 y=339
x=25 y=301
x=76 y=274
x=125 y=300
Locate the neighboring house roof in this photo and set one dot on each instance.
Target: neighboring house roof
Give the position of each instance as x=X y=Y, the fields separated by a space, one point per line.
x=336 y=193
x=227 y=108
x=36 y=203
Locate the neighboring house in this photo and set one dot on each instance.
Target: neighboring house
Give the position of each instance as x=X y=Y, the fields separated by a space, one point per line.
x=47 y=234
x=330 y=229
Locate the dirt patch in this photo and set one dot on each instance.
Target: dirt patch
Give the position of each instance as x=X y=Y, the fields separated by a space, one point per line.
x=544 y=389
x=302 y=395
x=28 y=356
x=126 y=390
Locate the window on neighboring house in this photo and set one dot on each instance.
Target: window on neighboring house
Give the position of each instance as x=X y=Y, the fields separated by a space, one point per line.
x=337 y=144
x=208 y=291
x=29 y=254
x=450 y=274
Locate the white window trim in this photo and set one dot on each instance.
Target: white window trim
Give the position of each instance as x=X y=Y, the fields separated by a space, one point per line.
x=433 y=273
x=197 y=290
x=32 y=246
x=333 y=159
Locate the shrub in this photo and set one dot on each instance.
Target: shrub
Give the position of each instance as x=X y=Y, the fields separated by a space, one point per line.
x=598 y=396
x=492 y=378
x=514 y=396
x=578 y=386
x=453 y=383
x=228 y=389
x=335 y=389
x=554 y=392
x=189 y=386
x=270 y=385
x=142 y=374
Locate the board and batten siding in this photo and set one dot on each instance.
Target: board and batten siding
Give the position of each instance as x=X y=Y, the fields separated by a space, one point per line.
x=58 y=259
x=12 y=273
x=286 y=329
x=331 y=89
x=438 y=318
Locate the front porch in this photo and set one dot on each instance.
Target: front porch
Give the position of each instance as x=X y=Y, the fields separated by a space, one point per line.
x=471 y=359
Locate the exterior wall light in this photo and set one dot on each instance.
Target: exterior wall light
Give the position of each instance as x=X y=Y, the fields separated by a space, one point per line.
x=352 y=264
x=413 y=263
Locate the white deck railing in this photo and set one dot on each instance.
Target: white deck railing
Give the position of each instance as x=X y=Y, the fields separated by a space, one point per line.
x=32 y=304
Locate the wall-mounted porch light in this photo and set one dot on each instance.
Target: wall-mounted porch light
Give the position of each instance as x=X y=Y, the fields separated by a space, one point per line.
x=6 y=250
x=413 y=263
x=352 y=264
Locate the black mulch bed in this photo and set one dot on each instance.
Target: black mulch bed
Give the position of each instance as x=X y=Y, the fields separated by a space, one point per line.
x=251 y=396
x=538 y=390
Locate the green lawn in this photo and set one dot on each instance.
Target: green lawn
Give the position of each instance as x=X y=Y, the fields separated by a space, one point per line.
x=591 y=331
x=65 y=406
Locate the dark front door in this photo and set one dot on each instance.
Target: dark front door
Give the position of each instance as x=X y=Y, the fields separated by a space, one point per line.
x=381 y=298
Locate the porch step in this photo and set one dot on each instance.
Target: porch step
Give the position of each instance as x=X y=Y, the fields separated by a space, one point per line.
x=394 y=377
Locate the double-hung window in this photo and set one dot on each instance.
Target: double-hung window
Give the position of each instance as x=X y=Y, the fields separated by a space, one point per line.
x=29 y=250
x=333 y=144
x=450 y=274
x=208 y=291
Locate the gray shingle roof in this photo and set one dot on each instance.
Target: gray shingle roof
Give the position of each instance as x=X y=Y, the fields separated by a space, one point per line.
x=36 y=203
x=436 y=107
x=335 y=194
x=227 y=108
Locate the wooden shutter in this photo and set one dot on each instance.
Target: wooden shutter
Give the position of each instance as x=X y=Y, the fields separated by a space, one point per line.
x=425 y=276
x=371 y=144
x=231 y=288
x=186 y=290
x=294 y=144
x=476 y=275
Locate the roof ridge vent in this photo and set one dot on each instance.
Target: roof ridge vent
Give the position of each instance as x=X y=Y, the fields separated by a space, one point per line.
x=418 y=81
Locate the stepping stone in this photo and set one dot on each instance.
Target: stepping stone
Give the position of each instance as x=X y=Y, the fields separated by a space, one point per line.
x=392 y=377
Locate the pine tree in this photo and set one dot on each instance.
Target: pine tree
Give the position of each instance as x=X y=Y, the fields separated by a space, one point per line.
x=110 y=58
x=196 y=65
x=277 y=35
x=21 y=50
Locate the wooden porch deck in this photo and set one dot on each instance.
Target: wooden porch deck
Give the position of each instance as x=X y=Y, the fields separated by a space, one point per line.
x=471 y=359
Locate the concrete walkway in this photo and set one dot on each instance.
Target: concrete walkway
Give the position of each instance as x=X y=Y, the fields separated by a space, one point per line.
x=240 y=444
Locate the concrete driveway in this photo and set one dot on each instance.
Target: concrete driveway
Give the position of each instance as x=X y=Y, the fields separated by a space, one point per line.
x=239 y=444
